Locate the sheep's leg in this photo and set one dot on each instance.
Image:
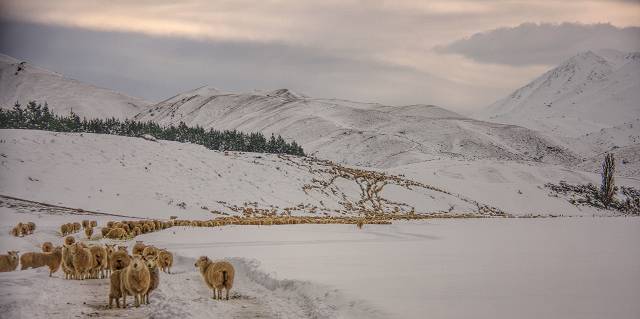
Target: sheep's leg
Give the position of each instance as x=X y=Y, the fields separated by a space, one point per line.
x=227 y=291
x=118 y=302
x=136 y=300
x=214 y=294
x=110 y=302
x=124 y=299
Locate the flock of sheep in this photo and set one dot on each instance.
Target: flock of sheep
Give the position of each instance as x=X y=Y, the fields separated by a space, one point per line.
x=136 y=274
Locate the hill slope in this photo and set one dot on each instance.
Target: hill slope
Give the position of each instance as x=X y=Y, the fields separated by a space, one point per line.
x=586 y=93
x=137 y=177
x=362 y=134
x=22 y=82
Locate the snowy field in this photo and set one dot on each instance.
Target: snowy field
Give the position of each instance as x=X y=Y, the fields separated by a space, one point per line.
x=580 y=267
x=492 y=268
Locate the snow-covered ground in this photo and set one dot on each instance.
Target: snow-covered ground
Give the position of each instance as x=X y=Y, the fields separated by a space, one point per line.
x=515 y=187
x=137 y=177
x=491 y=268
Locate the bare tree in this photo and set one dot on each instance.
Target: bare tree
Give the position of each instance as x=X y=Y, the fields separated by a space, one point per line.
x=607 y=187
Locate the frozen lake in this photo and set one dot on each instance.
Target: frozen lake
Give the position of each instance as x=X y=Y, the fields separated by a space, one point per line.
x=490 y=268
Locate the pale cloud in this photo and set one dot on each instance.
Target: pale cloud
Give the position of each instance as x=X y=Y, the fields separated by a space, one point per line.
x=543 y=44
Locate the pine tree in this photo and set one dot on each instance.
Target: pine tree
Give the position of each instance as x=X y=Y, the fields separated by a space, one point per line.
x=36 y=116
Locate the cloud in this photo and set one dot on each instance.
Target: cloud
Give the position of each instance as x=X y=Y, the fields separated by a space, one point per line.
x=530 y=43
x=158 y=67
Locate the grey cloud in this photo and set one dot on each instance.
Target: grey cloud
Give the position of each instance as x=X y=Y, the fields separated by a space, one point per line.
x=158 y=67
x=530 y=43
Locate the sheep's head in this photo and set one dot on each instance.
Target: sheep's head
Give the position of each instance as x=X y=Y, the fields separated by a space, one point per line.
x=97 y=256
x=151 y=264
x=165 y=256
x=202 y=261
x=120 y=260
x=14 y=255
x=137 y=263
x=69 y=240
x=110 y=248
x=149 y=252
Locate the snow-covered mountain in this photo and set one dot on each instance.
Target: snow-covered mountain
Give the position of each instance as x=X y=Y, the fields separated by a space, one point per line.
x=365 y=134
x=23 y=82
x=586 y=93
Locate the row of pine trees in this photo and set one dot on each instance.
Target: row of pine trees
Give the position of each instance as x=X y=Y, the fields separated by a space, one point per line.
x=39 y=117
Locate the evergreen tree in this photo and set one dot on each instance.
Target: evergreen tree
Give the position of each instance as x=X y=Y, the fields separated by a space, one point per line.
x=36 y=116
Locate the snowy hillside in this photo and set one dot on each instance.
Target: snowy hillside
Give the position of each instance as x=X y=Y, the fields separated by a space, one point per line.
x=362 y=134
x=586 y=93
x=22 y=82
x=141 y=178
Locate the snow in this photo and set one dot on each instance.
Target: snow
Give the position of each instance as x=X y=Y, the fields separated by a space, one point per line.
x=586 y=93
x=490 y=268
x=138 y=177
x=62 y=94
x=515 y=187
x=353 y=133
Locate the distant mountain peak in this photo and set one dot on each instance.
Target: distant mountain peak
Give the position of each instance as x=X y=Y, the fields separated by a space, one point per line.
x=585 y=93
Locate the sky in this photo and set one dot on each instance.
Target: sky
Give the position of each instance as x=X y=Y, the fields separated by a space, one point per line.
x=459 y=54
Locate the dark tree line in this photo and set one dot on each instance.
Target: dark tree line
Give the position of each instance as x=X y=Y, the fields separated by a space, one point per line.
x=39 y=117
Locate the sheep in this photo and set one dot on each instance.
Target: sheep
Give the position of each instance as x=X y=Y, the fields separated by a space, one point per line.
x=53 y=260
x=69 y=240
x=64 y=229
x=88 y=232
x=119 y=260
x=93 y=223
x=47 y=247
x=9 y=262
x=76 y=227
x=110 y=250
x=115 y=288
x=25 y=230
x=86 y=224
x=138 y=248
x=32 y=227
x=82 y=261
x=67 y=262
x=99 y=255
x=31 y=260
x=149 y=252
x=165 y=260
x=154 y=277
x=105 y=231
x=117 y=233
x=217 y=275
x=134 y=281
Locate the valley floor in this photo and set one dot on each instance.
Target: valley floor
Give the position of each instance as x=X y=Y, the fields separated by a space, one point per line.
x=581 y=267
